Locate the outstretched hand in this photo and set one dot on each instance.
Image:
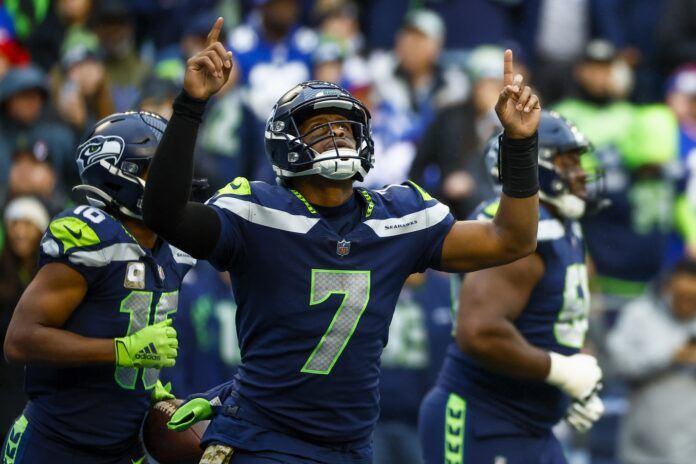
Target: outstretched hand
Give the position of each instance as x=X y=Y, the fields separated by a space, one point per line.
x=518 y=108
x=208 y=70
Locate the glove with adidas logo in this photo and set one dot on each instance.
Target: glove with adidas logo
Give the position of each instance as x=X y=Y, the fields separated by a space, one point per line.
x=154 y=346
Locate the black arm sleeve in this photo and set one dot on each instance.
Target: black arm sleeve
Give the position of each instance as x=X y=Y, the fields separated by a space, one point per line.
x=192 y=227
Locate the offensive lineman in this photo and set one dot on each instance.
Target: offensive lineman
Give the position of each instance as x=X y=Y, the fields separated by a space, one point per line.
x=515 y=365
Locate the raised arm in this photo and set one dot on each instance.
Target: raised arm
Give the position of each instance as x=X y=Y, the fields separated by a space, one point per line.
x=472 y=245
x=192 y=227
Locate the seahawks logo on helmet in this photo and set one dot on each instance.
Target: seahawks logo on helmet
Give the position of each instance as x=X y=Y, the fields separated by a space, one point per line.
x=99 y=148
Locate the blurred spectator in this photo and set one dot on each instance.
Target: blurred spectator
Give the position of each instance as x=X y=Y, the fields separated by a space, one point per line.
x=25 y=118
x=411 y=79
x=81 y=87
x=418 y=337
x=392 y=130
x=273 y=53
x=449 y=161
x=228 y=139
x=641 y=185
x=157 y=96
x=205 y=325
x=561 y=38
x=337 y=21
x=126 y=70
x=681 y=98
x=42 y=25
x=160 y=23
x=32 y=173
x=172 y=62
x=25 y=220
x=654 y=347
x=327 y=62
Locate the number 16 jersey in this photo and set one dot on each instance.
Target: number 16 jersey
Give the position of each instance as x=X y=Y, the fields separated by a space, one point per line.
x=129 y=287
x=314 y=306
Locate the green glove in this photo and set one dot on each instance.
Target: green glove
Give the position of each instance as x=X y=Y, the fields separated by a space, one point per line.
x=154 y=346
x=189 y=413
x=162 y=392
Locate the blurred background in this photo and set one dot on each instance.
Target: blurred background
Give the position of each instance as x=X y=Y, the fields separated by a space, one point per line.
x=624 y=71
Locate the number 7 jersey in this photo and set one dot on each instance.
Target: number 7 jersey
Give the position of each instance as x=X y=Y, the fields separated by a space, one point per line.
x=129 y=287
x=314 y=306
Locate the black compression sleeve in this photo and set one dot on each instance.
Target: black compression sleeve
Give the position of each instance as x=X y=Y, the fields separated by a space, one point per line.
x=191 y=227
x=519 y=166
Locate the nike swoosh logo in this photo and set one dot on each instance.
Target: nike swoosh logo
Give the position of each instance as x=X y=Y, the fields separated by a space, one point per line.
x=236 y=185
x=77 y=235
x=139 y=461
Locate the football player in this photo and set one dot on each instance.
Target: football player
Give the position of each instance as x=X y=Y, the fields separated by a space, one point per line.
x=316 y=264
x=515 y=365
x=94 y=326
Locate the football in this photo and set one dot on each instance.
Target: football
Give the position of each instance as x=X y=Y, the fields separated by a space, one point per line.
x=166 y=446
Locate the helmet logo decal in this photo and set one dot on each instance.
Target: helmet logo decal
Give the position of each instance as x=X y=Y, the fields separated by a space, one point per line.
x=99 y=148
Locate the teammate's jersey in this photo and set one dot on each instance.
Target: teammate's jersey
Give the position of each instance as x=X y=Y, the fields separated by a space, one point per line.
x=314 y=306
x=554 y=319
x=205 y=327
x=129 y=287
x=418 y=340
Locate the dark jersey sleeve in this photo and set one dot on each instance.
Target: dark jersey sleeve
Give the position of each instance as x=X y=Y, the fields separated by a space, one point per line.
x=192 y=227
x=439 y=221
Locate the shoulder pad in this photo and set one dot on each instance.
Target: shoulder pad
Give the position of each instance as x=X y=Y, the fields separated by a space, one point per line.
x=238 y=186
x=89 y=236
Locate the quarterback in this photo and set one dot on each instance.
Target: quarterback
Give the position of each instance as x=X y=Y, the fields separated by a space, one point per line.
x=316 y=264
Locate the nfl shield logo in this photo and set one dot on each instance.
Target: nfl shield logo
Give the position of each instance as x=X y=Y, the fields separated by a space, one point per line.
x=343 y=248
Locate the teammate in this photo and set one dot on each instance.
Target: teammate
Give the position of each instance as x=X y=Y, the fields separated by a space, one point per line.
x=94 y=325
x=507 y=380
x=317 y=265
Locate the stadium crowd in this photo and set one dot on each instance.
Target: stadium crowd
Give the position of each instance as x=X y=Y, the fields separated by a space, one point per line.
x=430 y=71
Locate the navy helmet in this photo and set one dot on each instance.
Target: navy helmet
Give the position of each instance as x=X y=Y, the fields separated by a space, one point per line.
x=556 y=135
x=114 y=157
x=287 y=150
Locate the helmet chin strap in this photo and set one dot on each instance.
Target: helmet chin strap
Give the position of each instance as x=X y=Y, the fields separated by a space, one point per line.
x=569 y=206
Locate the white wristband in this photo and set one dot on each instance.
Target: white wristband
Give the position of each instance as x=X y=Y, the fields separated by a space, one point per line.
x=576 y=375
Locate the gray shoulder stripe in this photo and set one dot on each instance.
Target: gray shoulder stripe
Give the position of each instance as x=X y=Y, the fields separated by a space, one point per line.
x=265 y=216
x=182 y=257
x=550 y=229
x=101 y=258
x=413 y=222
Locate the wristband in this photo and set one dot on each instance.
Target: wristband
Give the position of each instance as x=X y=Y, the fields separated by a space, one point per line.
x=189 y=107
x=518 y=160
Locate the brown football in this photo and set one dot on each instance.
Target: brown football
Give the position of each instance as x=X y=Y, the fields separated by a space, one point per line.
x=167 y=446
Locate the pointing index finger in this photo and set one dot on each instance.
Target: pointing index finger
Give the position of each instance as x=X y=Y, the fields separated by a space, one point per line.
x=214 y=34
x=508 y=71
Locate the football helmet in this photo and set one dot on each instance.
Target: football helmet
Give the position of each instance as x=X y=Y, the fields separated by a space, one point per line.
x=287 y=150
x=556 y=135
x=114 y=157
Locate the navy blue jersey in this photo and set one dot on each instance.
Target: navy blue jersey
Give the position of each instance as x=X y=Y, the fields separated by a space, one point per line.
x=102 y=406
x=205 y=327
x=314 y=306
x=554 y=319
x=418 y=339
